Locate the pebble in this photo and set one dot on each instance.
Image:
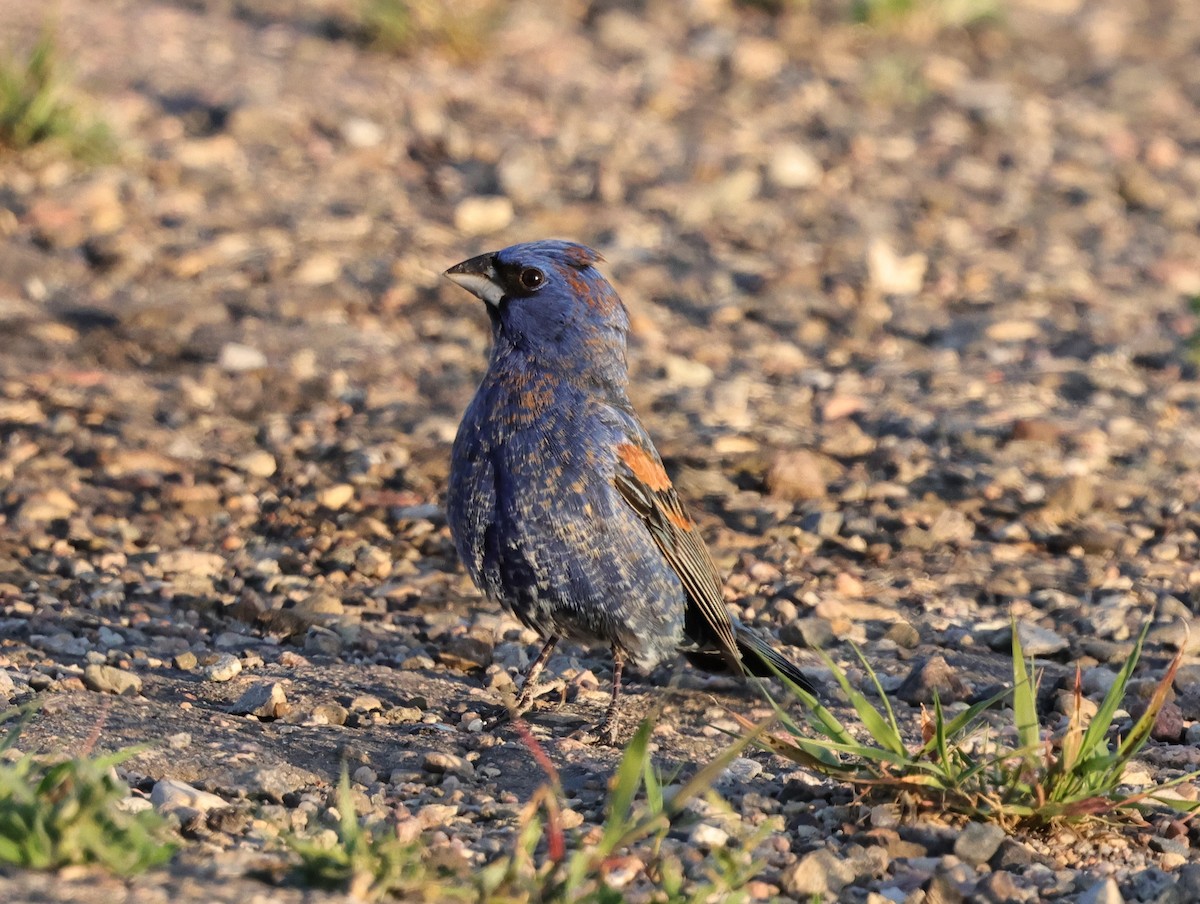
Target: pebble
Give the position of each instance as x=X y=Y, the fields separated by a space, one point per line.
x=818 y=873
x=483 y=215
x=225 y=667
x=797 y=476
x=258 y=463
x=191 y=562
x=336 y=497
x=793 y=166
x=273 y=782
x=329 y=714
x=1035 y=640
x=929 y=676
x=1103 y=892
x=238 y=358
x=708 y=837
x=171 y=796
x=1096 y=682
x=321 y=641
x=264 y=699
x=46 y=506
x=440 y=762
x=109 y=680
x=320 y=604
x=362 y=133
x=364 y=703
x=740 y=769
x=978 y=842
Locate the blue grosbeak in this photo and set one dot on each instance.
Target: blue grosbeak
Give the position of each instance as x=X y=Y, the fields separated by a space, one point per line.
x=558 y=502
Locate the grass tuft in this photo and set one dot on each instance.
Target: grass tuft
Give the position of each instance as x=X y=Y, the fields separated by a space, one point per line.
x=548 y=863
x=33 y=109
x=55 y=814
x=1018 y=776
x=373 y=862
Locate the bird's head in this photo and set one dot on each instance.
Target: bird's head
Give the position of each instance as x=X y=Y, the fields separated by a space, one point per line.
x=548 y=299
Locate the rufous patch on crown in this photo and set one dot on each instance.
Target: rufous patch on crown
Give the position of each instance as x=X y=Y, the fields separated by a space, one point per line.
x=581 y=255
x=595 y=293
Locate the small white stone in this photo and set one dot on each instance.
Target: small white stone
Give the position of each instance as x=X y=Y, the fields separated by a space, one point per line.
x=226 y=667
x=336 y=496
x=362 y=133
x=482 y=214
x=237 y=358
x=709 y=836
x=793 y=166
x=171 y=796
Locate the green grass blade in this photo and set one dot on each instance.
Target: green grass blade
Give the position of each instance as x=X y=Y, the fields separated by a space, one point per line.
x=1097 y=730
x=1140 y=733
x=872 y=719
x=1024 y=696
x=965 y=720
x=887 y=703
x=816 y=715
x=625 y=787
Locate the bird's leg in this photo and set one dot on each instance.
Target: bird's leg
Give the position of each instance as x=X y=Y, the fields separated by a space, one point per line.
x=607 y=730
x=529 y=685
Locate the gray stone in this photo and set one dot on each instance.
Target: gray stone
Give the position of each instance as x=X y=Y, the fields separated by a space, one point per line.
x=823 y=524
x=813 y=632
x=365 y=703
x=929 y=676
x=330 y=714
x=109 y=680
x=224 y=668
x=741 y=769
x=708 y=837
x=437 y=761
x=978 y=842
x=264 y=699
x=1097 y=682
x=180 y=798
x=274 y=782
x=1035 y=640
x=818 y=873
x=1103 y=892
x=321 y=641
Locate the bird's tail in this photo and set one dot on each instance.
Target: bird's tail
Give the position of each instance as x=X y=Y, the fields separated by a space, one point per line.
x=762 y=659
x=758 y=658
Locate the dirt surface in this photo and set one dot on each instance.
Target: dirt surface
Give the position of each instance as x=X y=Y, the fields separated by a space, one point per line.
x=911 y=329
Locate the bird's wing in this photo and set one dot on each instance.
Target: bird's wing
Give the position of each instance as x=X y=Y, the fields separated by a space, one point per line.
x=643 y=483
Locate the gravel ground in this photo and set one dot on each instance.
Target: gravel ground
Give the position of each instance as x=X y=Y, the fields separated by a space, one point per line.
x=910 y=326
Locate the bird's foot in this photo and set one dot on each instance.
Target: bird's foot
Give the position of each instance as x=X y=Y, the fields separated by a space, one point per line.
x=602 y=735
x=524 y=702
x=530 y=695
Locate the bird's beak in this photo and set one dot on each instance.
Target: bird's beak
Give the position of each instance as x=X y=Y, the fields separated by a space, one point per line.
x=478 y=276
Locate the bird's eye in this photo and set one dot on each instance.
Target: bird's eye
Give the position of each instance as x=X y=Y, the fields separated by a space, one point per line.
x=532 y=278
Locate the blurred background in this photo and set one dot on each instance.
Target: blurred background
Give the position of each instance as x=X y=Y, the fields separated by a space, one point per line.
x=913 y=286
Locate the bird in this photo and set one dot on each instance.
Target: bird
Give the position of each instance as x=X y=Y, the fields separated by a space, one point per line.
x=558 y=503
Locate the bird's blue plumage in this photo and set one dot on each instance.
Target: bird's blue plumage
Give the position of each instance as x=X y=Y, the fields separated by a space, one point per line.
x=558 y=502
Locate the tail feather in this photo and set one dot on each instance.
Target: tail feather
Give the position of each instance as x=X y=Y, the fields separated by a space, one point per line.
x=762 y=659
x=758 y=658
